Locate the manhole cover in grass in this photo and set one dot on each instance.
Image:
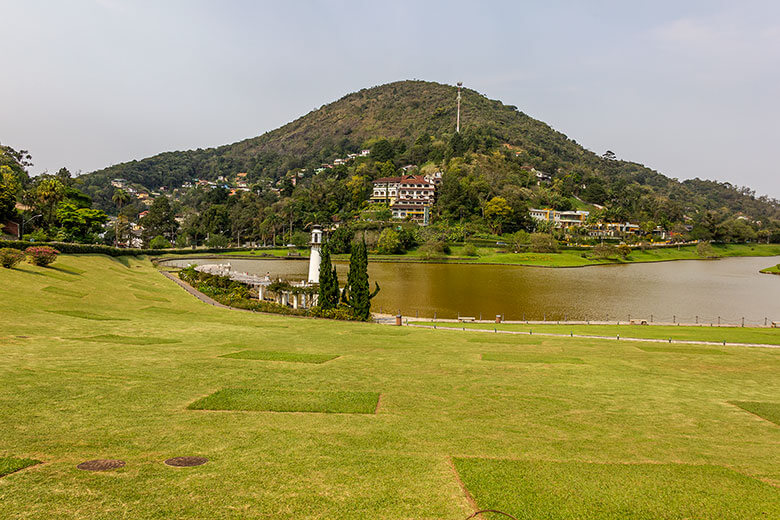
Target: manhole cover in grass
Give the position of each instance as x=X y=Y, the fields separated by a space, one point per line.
x=186 y=462
x=101 y=465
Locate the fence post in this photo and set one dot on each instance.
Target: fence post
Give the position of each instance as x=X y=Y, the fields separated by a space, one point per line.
x=651 y=318
x=743 y=321
x=674 y=318
x=718 y=321
x=697 y=319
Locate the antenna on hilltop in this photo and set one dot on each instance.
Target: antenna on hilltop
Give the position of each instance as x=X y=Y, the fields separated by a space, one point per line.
x=457 y=126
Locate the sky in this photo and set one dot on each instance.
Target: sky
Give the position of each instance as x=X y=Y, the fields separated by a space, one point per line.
x=689 y=88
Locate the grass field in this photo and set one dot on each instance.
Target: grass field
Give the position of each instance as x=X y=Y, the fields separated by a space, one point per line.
x=768 y=336
x=542 y=427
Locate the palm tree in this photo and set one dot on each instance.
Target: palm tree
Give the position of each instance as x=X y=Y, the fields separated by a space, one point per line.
x=120 y=198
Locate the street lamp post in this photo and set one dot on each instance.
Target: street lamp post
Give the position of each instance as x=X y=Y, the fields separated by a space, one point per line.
x=21 y=230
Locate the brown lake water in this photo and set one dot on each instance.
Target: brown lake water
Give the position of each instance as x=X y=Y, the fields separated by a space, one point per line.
x=731 y=288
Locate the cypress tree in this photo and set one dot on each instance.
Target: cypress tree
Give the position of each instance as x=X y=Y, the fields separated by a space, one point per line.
x=329 y=282
x=357 y=291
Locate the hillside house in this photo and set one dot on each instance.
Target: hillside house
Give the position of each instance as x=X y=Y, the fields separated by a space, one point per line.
x=560 y=219
x=409 y=196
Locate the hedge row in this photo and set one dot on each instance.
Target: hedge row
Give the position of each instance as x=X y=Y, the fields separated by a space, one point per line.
x=72 y=248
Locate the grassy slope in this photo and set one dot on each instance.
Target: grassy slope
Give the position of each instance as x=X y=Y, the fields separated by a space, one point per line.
x=769 y=336
x=66 y=400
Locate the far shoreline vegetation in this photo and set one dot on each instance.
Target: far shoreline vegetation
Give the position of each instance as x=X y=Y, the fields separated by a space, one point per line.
x=579 y=257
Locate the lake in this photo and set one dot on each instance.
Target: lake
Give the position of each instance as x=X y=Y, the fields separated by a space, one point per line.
x=731 y=288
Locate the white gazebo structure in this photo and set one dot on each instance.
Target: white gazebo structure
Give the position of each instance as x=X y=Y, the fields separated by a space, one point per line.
x=315 y=258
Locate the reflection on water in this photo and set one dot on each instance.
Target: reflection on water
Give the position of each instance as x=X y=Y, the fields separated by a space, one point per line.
x=730 y=288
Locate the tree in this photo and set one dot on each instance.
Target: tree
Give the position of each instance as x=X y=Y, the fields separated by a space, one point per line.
x=382 y=151
x=78 y=224
x=543 y=243
x=356 y=292
x=389 y=242
x=159 y=242
x=7 y=203
x=47 y=194
x=341 y=240
x=120 y=198
x=161 y=220
x=704 y=249
x=497 y=211
x=329 y=282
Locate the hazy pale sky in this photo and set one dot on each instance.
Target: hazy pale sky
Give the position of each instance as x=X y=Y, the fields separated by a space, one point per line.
x=690 y=88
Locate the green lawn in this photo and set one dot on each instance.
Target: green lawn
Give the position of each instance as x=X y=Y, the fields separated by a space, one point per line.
x=10 y=465
x=273 y=400
x=768 y=411
x=626 y=433
x=574 y=490
x=769 y=336
x=272 y=355
x=772 y=270
x=522 y=357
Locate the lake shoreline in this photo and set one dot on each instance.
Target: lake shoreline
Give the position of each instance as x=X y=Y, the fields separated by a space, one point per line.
x=725 y=252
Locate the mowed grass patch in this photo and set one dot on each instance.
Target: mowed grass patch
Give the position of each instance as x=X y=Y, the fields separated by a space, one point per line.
x=59 y=291
x=682 y=350
x=9 y=465
x=68 y=269
x=768 y=411
x=84 y=315
x=150 y=297
x=127 y=340
x=248 y=399
x=505 y=339
x=522 y=357
x=164 y=310
x=582 y=491
x=271 y=355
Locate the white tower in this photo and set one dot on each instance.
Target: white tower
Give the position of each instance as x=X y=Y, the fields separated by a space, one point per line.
x=315 y=258
x=457 y=127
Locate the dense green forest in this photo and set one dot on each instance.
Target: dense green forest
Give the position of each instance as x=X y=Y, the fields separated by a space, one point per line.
x=490 y=176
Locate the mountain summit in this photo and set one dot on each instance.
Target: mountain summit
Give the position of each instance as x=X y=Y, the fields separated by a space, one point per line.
x=405 y=111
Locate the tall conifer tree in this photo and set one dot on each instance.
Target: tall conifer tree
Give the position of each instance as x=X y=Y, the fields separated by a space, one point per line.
x=329 y=282
x=356 y=294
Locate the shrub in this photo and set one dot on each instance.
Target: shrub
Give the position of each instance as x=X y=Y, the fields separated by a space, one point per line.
x=218 y=241
x=624 y=250
x=41 y=255
x=605 y=251
x=470 y=250
x=342 y=312
x=10 y=257
x=704 y=249
x=435 y=248
x=543 y=243
x=389 y=242
x=160 y=242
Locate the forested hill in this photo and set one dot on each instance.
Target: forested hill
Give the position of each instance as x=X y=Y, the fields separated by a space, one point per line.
x=418 y=118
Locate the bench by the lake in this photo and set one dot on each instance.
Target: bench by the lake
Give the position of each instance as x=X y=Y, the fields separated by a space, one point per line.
x=466 y=318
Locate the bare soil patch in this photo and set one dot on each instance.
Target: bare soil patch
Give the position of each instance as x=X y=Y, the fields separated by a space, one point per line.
x=101 y=465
